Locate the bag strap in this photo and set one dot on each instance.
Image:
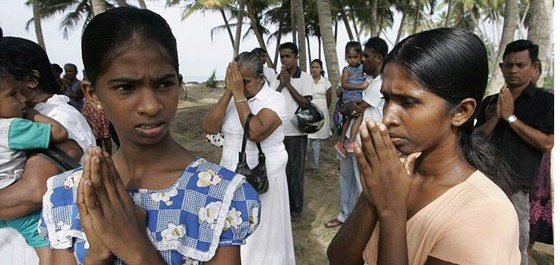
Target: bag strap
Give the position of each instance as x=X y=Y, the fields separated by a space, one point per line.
x=246 y=134
x=59 y=158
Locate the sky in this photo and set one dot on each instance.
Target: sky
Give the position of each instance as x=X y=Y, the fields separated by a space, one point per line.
x=199 y=55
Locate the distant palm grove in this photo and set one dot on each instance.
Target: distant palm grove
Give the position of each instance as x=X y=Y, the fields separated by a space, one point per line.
x=497 y=22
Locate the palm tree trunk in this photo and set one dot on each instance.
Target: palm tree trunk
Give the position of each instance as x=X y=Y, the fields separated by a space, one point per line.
x=403 y=21
x=510 y=23
x=335 y=31
x=331 y=58
x=239 y=25
x=37 y=25
x=227 y=27
x=449 y=11
x=278 y=41
x=293 y=7
x=255 y=25
x=401 y=28
x=416 y=17
x=319 y=45
x=308 y=49
x=301 y=35
x=373 y=4
x=540 y=13
x=142 y=4
x=98 y=7
x=355 y=27
x=346 y=23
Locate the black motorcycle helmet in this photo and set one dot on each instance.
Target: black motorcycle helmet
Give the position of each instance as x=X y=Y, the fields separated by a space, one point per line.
x=309 y=120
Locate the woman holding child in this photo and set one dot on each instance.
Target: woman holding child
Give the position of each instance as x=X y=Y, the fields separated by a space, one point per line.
x=42 y=93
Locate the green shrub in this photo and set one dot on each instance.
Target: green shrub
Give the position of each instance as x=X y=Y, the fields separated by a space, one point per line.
x=212 y=82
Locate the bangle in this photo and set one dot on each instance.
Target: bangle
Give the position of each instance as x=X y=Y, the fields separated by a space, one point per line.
x=241 y=100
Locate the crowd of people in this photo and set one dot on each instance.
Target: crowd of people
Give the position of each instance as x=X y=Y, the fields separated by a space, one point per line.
x=409 y=193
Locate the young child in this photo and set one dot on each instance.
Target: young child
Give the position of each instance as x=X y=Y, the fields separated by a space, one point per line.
x=353 y=84
x=21 y=129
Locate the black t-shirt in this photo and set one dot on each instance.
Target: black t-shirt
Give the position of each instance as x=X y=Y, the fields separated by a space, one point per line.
x=535 y=107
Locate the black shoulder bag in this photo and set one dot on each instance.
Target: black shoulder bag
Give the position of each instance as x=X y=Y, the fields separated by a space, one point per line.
x=59 y=158
x=257 y=176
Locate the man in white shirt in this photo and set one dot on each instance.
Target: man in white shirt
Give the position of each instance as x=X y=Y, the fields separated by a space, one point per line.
x=297 y=88
x=375 y=50
x=268 y=72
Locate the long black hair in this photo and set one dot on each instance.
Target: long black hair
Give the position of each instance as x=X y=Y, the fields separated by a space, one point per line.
x=29 y=59
x=106 y=35
x=452 y=63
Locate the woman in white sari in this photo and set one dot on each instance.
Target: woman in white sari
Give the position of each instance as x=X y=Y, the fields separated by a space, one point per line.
x=247 y=92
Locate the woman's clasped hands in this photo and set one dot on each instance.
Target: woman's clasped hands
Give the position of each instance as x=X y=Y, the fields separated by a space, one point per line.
x=114 y=225
x=234 y=79
x=386 y=177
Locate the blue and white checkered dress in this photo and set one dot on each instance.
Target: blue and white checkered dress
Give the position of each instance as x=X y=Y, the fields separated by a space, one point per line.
x=208 y=206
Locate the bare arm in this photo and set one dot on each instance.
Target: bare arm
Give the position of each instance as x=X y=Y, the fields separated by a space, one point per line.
x=26 y=195
x=298 y=98
x=348 y=244
x=355 y=109
x=213 y=119
x=263 y=125
x=63 y=256
x=285 y=79
x=226 y=256
x=532 y=136
x=58 y=132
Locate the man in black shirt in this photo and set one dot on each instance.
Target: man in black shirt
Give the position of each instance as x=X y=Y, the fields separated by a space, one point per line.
x=520 y=121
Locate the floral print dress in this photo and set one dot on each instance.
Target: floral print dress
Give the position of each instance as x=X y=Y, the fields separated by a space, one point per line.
x=208 y=206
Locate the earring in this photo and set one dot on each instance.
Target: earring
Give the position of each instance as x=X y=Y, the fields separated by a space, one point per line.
x=99 y=107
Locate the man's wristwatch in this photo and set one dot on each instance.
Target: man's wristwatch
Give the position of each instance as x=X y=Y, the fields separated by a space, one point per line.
x=511 y=119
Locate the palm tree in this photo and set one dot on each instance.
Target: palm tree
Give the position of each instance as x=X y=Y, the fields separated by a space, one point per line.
x=331 y=58
x=343 y=16
x=193 y=6
x=36 y=22
x=373 y=11
x=255 y=10
x=510 y=24
x=404 y=9
x=280 y=16
x=237 y=41
x=82 y=10
x=538 y=22
x=299 y=27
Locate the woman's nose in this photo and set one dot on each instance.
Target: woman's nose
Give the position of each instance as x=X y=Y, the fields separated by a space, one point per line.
x=149 y=102
x=389 y=115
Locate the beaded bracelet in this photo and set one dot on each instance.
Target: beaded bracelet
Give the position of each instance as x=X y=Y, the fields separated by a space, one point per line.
x=241 y=100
